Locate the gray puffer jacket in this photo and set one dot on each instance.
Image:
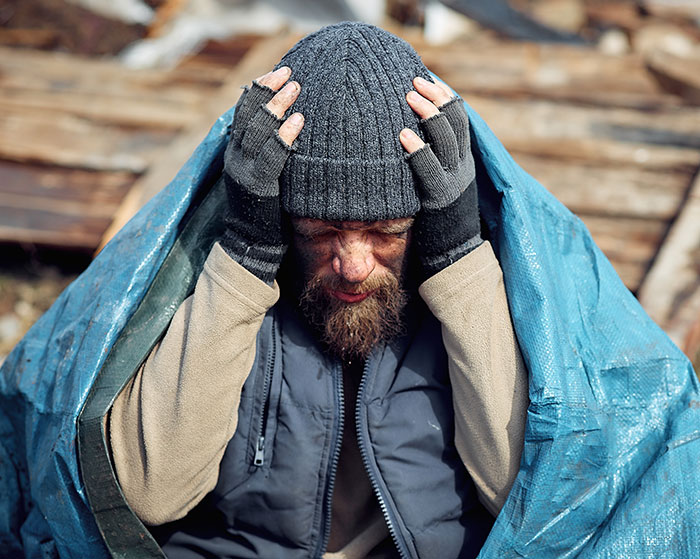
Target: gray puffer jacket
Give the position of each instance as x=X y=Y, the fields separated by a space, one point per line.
x=273 y=496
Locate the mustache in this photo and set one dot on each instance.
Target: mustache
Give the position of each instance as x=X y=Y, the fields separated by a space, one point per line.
x=336 y=283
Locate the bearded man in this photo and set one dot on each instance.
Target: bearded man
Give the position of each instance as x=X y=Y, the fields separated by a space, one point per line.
x=345 y=380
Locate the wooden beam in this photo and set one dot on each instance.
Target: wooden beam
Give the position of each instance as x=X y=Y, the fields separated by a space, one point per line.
x=561 y=73
x=56 y=71
x=148 y=111
x=676 y=74
x=48 y=227
x=663 y=140
x=260 y=59
x=670 y=292
x=53 y=138
x=58 y=206
x=609 y=190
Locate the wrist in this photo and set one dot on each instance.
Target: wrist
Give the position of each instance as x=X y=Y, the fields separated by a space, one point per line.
x=254 y=235
x=444 y=235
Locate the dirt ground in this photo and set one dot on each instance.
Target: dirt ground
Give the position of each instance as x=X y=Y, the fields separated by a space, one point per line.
x=30 y=281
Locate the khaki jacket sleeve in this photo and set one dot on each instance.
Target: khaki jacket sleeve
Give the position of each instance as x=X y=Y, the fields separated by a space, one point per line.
x=488 y=376
x=170 y=426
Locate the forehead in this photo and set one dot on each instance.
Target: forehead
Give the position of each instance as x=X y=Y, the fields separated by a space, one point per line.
x=306 y=225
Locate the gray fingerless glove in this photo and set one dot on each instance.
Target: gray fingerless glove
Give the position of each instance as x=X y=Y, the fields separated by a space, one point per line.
x=447 y=227
x=255 y=235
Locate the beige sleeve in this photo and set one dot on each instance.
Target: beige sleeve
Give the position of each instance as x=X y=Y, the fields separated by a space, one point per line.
x=170 y=425
x=489 y=379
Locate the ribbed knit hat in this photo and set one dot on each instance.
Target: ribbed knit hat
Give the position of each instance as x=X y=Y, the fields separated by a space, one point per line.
x=349 y=163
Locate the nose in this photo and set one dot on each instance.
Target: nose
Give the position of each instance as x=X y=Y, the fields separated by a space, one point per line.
x=354 y=256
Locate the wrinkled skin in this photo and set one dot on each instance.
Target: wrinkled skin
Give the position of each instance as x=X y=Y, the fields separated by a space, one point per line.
x=354 y=274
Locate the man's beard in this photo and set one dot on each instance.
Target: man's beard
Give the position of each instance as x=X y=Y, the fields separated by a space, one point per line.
x=351 y=330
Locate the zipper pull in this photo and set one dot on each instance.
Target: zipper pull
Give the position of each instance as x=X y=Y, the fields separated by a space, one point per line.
x=259 y=452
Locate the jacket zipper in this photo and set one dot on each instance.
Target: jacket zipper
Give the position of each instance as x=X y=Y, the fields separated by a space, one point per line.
x=337 y=443
x=259 y=457
x=389 y=515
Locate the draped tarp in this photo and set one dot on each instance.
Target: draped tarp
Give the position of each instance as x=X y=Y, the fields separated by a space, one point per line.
x=611 y=443
x=45 y=381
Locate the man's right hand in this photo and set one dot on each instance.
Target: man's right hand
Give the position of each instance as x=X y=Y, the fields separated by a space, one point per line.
x=261 y=141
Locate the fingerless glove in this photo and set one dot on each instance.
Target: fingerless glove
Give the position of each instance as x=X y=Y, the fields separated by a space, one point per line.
x=256 y=235
x=447 y=226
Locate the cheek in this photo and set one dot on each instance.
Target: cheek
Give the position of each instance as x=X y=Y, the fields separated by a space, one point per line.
x=393 y=255
x=313 y=258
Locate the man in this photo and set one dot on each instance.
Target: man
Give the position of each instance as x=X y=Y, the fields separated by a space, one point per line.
x=344 y=418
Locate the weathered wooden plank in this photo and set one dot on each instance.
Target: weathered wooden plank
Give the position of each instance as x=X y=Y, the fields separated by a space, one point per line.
x=58 y=206
x=609 y=190
x=524 y=70
x=78 y=230
x=62 y=139
x=678 y=75
x=55 y=71
x=31 y=204
x=61 y=183
x=670 y=292
x=664 y=127
x=601 y=151
x=662 y=140
x=135 y=111
x=260 y=59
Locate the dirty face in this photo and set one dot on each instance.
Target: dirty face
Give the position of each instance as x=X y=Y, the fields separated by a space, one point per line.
x=354 y=276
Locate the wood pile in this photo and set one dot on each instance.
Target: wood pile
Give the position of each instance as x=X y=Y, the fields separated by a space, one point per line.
x=76 y=133
x=612 y=129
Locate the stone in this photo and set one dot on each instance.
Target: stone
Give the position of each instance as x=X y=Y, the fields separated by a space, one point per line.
x=614 y=42
x=10 y=328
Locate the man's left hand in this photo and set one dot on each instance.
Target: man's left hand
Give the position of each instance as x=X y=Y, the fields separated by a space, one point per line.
x=447 y=226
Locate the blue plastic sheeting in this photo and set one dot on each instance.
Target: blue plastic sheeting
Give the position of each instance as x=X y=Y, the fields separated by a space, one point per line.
x=45 y=380
x=612 y=430
x=612 y=436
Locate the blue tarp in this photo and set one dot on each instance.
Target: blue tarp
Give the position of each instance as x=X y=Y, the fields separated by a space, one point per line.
x=611 y=449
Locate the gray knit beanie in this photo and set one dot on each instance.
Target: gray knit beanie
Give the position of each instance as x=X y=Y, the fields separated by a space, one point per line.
x=348 y=163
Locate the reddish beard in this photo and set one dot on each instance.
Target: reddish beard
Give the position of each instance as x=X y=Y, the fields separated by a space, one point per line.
x=351 y=330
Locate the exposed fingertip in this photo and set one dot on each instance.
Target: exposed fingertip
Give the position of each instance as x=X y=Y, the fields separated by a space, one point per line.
x=297 y=119
x=290 y=87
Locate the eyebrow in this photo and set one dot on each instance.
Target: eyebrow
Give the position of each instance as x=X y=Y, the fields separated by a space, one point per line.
x=401 y=227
